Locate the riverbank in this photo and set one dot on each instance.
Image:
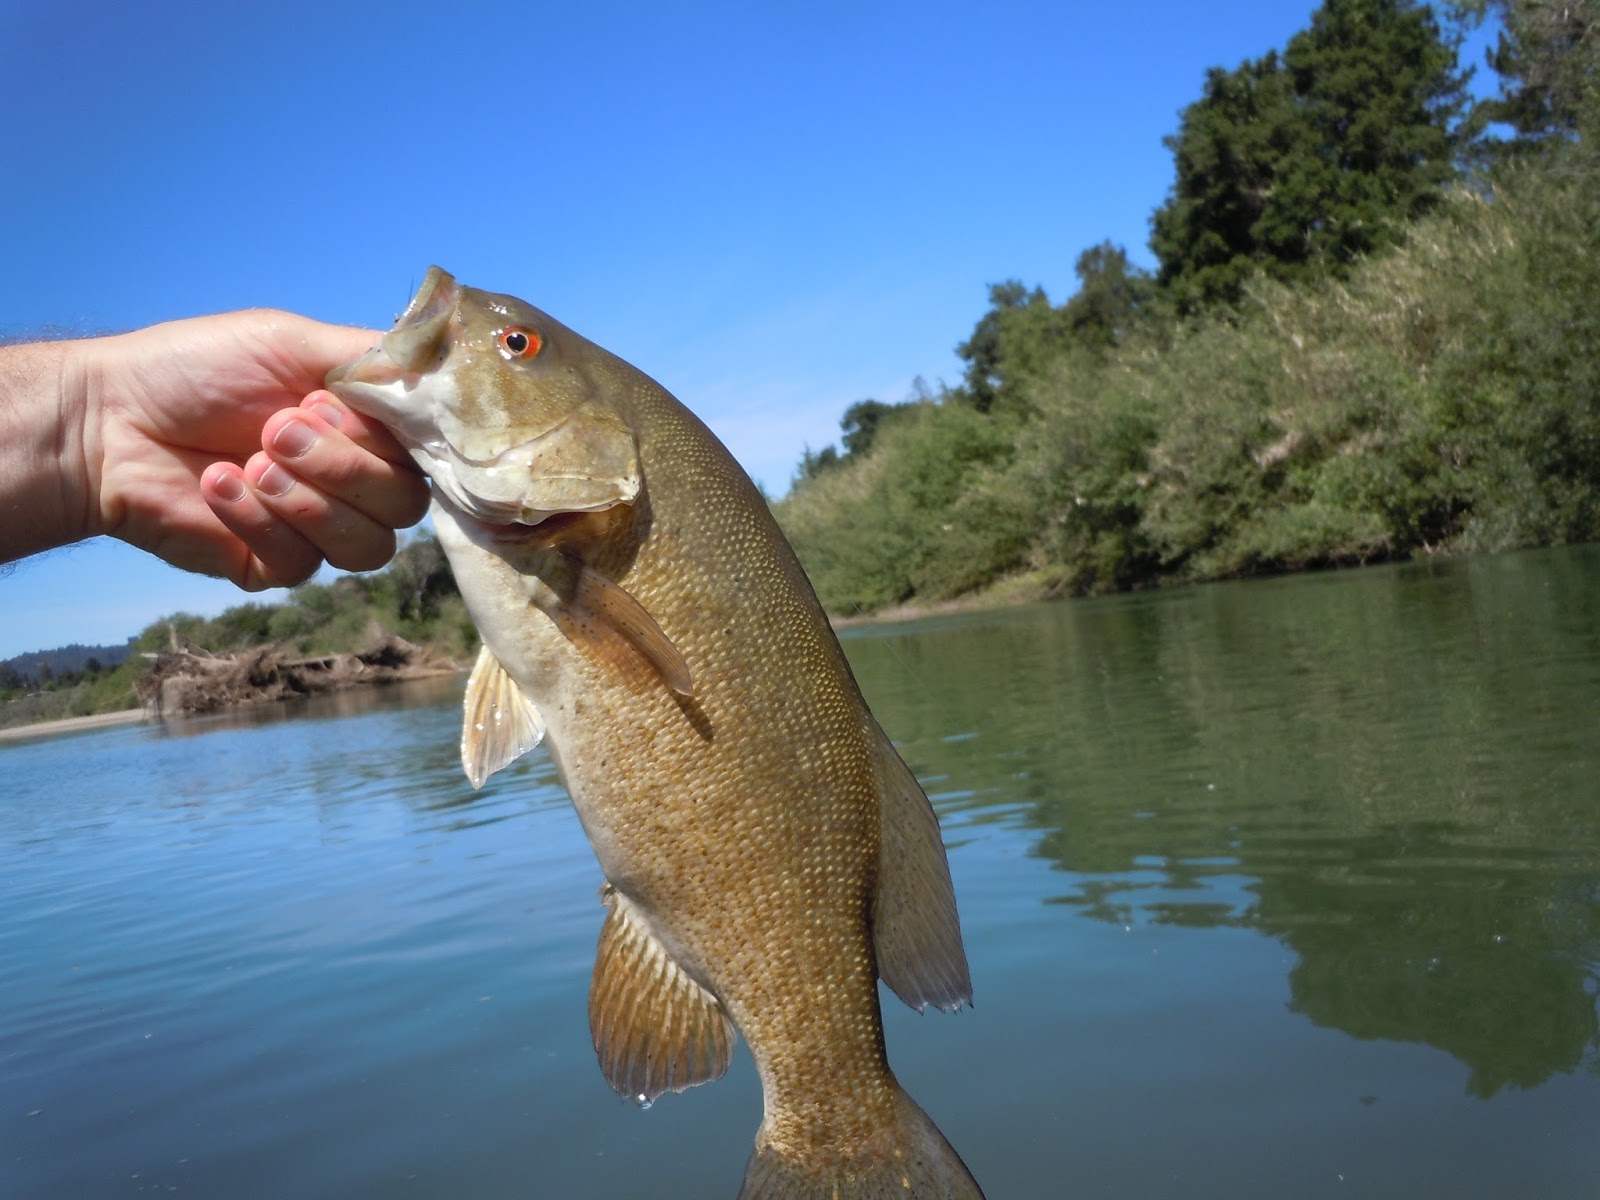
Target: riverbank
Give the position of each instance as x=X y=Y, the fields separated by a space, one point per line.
x=125 y=716
x=187 y=683
x=1012 y=591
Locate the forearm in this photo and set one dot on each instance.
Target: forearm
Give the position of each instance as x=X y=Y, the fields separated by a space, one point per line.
x=45 y=494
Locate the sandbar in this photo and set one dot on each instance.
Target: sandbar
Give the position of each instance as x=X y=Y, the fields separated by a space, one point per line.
x=124 y=716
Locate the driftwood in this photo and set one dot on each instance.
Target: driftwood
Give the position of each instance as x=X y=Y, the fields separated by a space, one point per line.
x=187 y=680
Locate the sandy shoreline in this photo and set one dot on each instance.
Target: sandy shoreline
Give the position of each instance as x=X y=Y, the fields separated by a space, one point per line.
x=126 y=716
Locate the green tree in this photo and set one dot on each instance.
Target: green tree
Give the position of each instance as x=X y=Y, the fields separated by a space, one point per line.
x=1302 y=164
x=237 y=627
x=1113 y=295
x=1548 y=59
x=982 y=351
x=860 y=424
x=421 y=577
x=1019 y=335
x=815 y=462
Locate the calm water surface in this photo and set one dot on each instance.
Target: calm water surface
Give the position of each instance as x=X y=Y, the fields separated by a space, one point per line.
x=1287 y=888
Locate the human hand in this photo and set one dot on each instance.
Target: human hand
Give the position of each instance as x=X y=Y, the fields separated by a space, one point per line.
x=211 y=443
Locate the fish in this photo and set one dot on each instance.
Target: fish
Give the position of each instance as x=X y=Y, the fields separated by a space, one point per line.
x=768 y=856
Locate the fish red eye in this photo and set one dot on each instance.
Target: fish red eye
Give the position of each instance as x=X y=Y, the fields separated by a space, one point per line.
x=519 y=342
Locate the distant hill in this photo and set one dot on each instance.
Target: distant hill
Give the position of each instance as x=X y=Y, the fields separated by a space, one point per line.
x=38 y=665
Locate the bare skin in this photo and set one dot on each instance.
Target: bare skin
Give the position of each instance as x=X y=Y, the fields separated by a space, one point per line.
x=209 y=442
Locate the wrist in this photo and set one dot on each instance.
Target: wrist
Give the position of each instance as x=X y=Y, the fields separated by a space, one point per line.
x=48 y=496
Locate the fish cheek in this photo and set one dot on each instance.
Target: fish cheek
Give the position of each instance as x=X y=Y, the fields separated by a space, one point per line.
x=490 y=406
x=589 y=461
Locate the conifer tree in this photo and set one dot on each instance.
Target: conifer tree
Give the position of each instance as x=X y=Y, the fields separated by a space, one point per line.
x=1548 y=58
x=1302 y=163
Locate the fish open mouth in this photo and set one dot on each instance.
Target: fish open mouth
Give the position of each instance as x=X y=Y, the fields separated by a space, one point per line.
x=416 y=344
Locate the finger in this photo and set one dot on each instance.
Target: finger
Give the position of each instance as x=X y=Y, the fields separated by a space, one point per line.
x=371 y=435
x=347 y=537
x=271 y=553
x=333 y=463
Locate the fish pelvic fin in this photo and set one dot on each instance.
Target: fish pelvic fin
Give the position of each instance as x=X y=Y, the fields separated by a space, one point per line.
x=499 y=723
x=912 y=1162
x=915 y=930
x=603 y=618
x=655 y=1029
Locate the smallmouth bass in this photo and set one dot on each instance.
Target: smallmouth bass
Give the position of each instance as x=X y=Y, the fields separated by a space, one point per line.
x=767 y=854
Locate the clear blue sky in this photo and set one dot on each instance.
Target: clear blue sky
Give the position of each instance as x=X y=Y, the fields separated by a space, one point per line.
x=774 y=209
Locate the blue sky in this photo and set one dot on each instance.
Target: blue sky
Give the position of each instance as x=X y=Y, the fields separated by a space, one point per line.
x=774 y=209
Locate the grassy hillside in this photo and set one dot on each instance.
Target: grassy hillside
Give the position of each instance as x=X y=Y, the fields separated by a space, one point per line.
x=1442 y=397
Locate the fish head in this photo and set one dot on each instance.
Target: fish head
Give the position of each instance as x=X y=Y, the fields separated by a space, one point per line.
x=497 y=402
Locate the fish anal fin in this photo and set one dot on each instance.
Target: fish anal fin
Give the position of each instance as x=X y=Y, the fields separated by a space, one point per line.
x=499 y=723
x=602 y=616
x=915 y=929
x=655 y=1029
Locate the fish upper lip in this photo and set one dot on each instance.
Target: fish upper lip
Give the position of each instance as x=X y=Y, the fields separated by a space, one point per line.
x=438 y=287
x=414 y=340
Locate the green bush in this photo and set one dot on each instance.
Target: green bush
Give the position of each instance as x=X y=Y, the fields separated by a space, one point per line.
x=904 y=519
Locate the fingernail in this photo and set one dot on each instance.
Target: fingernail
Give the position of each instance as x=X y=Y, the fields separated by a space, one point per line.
x=329 y=412
x=294 y=439
x=274 y=481
x=229 y=488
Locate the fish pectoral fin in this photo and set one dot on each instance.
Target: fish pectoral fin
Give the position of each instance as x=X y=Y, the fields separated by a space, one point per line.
x=499 y=723
x=915 y=929
x=602 y=616
x=654 y=1028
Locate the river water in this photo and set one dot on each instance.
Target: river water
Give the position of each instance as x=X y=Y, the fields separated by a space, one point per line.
x=1283 y=888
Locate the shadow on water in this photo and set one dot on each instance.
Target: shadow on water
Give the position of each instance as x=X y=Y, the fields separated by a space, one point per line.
x=1393 y=772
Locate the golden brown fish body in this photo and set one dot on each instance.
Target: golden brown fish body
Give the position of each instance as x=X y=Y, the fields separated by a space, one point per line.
x=767 y=853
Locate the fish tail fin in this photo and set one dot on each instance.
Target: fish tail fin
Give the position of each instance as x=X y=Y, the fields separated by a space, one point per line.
x=918 y=1164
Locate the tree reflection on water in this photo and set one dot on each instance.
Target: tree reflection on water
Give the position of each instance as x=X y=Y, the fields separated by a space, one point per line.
x=1390 y=771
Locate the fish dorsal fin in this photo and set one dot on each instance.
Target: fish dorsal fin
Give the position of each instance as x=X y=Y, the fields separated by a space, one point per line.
x=606 y=619
x=499 y=723
x=655 y=1029
x=915 y=929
